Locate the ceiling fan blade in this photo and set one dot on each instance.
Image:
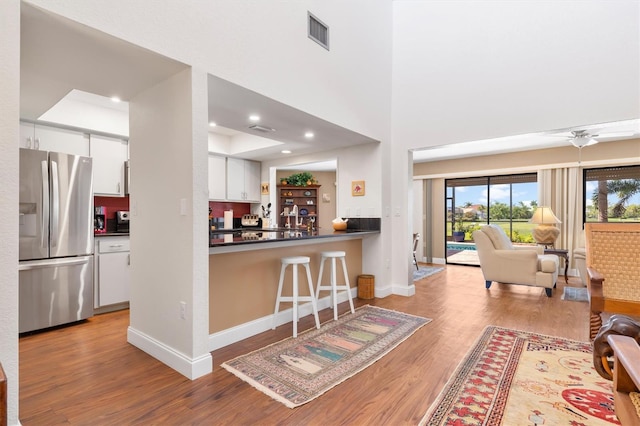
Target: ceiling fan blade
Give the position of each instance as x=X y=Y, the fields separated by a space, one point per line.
x=615 y=135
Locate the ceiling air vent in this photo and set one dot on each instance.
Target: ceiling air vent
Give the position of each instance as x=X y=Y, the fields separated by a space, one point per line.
x=262 y=129
x=318 y=31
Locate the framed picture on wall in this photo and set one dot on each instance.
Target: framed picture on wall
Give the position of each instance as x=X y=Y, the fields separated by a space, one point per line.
x=264 y=188
x=357 y=188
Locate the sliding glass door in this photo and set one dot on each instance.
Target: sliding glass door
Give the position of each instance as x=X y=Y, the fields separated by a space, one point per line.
x=508 y=201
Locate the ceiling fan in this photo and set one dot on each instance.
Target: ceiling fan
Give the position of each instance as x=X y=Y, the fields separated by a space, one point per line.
x=582 y=138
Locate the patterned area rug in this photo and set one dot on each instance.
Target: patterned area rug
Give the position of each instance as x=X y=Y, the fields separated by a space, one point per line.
x=576 y=294
x=513 y=377
x=426 y=271
x=295 y=371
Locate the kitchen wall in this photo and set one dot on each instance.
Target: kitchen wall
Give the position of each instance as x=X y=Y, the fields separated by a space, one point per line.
x=112 y=204
x=326 y=209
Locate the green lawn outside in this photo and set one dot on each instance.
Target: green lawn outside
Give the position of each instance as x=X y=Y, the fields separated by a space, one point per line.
x=521 y=229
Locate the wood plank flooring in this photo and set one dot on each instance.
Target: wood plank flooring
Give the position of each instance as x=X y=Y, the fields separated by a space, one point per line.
x=87 y=374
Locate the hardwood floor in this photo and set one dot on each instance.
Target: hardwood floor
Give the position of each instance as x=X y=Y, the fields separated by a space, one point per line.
x=87 y=374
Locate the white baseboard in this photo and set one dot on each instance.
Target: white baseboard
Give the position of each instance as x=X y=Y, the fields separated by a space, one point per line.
x=243 y=331
x=401 y=290
x=192 y=368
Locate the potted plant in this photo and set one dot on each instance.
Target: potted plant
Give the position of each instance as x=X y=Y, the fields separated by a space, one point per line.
x=299 y=179
x=459 y=230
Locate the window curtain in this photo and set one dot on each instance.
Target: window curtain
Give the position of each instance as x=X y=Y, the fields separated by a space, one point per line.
x=561 y=189
x=569 y=198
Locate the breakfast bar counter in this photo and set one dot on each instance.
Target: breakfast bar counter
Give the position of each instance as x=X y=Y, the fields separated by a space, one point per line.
x=233 y=240
x=244 y=268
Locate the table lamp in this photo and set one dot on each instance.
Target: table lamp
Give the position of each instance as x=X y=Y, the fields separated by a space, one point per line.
x=546 y=232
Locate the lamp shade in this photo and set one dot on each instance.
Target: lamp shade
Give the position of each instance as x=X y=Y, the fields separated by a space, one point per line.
x=545 y=216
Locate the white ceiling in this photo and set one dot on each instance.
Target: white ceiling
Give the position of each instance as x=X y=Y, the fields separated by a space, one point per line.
x=59 y=55
x=607 y=132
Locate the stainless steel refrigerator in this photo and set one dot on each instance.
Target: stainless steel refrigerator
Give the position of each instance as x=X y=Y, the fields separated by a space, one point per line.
x=56 y=239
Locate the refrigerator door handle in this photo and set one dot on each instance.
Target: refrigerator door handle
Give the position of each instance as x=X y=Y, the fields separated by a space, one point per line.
x=44 y=237
x=31 y=265
x=55 y=203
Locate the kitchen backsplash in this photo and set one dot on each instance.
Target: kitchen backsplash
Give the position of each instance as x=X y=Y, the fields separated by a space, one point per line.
x=112 y=205
x=218 y=208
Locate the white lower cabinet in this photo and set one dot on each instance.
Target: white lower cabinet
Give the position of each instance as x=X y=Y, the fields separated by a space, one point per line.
x=113 y=277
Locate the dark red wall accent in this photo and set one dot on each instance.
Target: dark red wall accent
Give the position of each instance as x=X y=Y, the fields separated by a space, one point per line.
x=113 y=204
x=219 y=208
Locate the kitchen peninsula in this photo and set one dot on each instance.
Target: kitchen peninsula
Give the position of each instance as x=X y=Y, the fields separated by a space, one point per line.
x=244 y=267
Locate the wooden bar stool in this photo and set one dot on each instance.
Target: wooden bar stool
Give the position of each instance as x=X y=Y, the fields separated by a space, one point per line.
x=333 y=286
x=294 y=261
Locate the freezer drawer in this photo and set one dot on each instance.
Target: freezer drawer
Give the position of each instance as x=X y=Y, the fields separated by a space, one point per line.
x=54 y=292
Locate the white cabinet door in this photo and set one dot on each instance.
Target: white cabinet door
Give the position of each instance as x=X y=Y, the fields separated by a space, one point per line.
x=61 y=140
x=109 y=155
x=217 y=177
x=114 y=278
x=235 y=179
x=27 y=135
x=252 y=181
x=44 y=138
x=243 y=180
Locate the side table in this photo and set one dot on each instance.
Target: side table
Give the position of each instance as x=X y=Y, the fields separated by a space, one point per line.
x=560 y=253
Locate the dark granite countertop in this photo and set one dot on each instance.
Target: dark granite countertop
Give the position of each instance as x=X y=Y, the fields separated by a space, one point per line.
x=111 y=234
x=233 y=237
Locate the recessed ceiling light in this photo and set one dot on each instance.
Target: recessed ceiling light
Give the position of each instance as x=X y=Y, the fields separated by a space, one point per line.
x=115 y=99
x=308 y=135
x=212 y=124
x=254 y=117
x=285 y=151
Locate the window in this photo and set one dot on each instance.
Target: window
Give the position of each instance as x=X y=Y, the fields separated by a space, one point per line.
x=612 y=194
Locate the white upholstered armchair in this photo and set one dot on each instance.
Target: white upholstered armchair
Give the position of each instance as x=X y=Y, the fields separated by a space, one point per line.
x=503 y=262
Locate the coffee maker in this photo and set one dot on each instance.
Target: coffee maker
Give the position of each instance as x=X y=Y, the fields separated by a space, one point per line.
x=122 y=221
x=99 y=220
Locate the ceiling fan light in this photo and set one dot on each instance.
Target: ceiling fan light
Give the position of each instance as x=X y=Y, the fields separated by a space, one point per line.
x=582 y=141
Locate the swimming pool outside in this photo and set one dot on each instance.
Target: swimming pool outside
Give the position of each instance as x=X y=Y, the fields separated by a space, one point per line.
x=461 y=246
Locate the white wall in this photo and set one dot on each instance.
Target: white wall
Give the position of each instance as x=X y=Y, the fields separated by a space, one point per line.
x=9 y=197
x=469 y=70
x=169 y=199
x=263 y=46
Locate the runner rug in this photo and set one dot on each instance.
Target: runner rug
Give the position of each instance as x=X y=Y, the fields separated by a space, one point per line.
x=295 y=371
x=426 y=271
x=517 y=378
x=576 y=294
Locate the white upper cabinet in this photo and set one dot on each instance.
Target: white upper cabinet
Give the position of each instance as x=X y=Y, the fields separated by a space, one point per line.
x=243 y=180
x=44 y=138
x=252 y=180
x=217 y=177
x=109 y=155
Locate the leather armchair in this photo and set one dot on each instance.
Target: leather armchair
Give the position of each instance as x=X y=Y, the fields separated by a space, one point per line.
x=503 y=262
